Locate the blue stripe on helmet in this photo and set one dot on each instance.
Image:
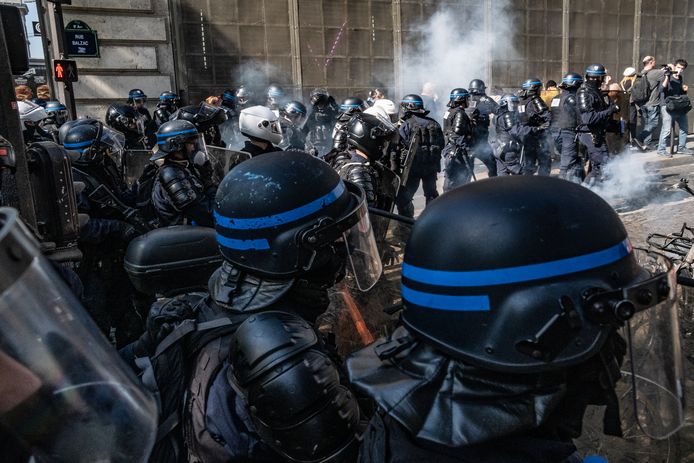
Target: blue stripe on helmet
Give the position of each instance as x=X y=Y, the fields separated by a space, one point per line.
x=167 y=97
x=283 y=217
x=81 y=144
x=412 y=101
x=458 y=94
x=343 y=106
x=445 y=301
x=530 y=84
x=523 y=273
x=243 y=245
x=173 y=134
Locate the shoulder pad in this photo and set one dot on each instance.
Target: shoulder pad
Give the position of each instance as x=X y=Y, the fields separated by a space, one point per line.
x=584 y=100
x=266 y=340
x=168 y=173
x=571 y=99
x=507 y=120
x=539 y=104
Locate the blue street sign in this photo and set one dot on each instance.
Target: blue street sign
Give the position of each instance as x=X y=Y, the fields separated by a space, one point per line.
x=80 y=40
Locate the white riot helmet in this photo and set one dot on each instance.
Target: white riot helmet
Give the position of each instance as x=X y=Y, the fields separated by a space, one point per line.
x=261 y=123
x=31 y=113
x=378 y=111
x=389 y=107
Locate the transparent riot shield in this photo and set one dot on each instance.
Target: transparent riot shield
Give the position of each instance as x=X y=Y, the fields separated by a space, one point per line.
x=358 y=317
x=224 y=159
x=134 y=164
x=66 y=393
x=652 y=386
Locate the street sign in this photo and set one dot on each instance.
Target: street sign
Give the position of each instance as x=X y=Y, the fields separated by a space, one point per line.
x=65 y=70
x=36 y=26
x=80 y=40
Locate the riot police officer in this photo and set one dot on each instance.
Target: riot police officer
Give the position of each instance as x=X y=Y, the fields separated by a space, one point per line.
x=57 y=113
x=349 y=106
x=510 y=135
x=534 y=113
x=125 y=119
x=486 y=107
x=263 y=386
x=458 y=166
x=262 y=128
x=321 y=121
x=595 y=113
x=168 y=103
x=31 y=116
x=503 y=346
x=368 y=137
x=422 y=138
x=292 y=119
x=138 y=100
x=566 y=117
x=181 y=193
x=95 y=152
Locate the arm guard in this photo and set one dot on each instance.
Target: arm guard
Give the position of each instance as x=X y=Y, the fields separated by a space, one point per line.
x=461 y=125
x=293 y=389
x=178 y=186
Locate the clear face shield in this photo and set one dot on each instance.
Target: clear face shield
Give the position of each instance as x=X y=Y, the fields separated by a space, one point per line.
x=133 y=124
x=71 y=398
x=60 y=116
x=114 y=144
x=357 y=234
x=296 y=118
x=196 y=150
x=652 y=388
x=512 y=104
x=139 y=102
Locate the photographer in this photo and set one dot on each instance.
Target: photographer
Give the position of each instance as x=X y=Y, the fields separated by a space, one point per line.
x=674 y=106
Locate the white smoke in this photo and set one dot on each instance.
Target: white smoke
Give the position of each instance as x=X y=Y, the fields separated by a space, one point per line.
x=626 y=178
x=456 y=45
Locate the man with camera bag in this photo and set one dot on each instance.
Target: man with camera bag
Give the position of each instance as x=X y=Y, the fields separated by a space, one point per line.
x=674 y=106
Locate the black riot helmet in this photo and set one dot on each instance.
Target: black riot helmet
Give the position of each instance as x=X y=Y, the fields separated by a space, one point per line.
x=93 y=141
x=204 y=116
x=370 y=134
x=124 y=118
x=229 y=98
x=172 y=137
x=169 y=100
x=269 y=224
x=296 y=113
x=319 y=97
x=56 y=111
x=275 y=96
x=137 y=97
x=352 y=105
x=509 y=102
x=244 y=96
x=412 y=103
x=62 y=132
x=477 y=87
x=531 y=86
x=571 y=81
x=543 y=292
x=595 y=74
x=458 y=97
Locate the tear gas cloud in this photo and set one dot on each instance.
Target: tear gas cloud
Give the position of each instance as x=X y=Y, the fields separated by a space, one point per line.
x=455 y=46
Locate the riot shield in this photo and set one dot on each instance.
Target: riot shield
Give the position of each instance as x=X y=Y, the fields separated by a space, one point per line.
x=134 y=163
x=223 y=160
x=388 y=187
x=71 y=398
x=362 y=317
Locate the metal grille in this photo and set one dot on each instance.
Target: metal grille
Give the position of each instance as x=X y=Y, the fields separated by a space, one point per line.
x=349 y=46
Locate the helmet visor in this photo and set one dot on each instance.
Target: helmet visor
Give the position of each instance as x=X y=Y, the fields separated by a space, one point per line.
x=652 y=388
x=364 y=258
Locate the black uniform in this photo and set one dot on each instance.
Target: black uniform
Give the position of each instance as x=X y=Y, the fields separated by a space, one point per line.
x=162 y=114
x=319 y=127
x=293 y=137
x=481 y=149
x=534 y=113
x=426 y=161
x=255 y=150
x=595 y=114
x=510 y=135
x=564 y=124
x=358 y=170
x=179 y=196
x=340 y=132
x=150 y=127
x=459 y=132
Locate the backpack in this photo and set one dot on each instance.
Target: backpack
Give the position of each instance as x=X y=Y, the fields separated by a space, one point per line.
x=167 y=372
x=641 y=89
x=431 y=141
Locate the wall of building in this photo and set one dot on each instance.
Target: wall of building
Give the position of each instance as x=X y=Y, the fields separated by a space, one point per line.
x=135 y=47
